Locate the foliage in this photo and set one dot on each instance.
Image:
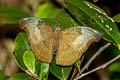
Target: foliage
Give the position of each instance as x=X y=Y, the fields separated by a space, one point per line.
x=22 y=76
x=117 y=18
x=3 y=76
x=60 y=72
x=11 y=15
x=115 y=67
x=103 y=23
x=79 y=12
x=51 y=12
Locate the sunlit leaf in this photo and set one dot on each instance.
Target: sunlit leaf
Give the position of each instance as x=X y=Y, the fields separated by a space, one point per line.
x=46 y=11
x=42 y=69
x=20 y=46
x=29 y=61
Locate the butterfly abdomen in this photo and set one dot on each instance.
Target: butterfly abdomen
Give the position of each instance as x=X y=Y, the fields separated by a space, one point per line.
x=70 y=43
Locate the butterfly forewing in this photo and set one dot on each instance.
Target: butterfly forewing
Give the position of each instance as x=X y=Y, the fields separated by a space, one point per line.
x=73 y=42
x=40 y=37
x=70 y=43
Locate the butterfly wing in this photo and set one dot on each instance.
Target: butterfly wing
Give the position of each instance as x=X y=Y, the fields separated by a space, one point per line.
x=73 y=42
x=40 y=37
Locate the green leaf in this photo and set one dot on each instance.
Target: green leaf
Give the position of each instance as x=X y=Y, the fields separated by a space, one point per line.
x=117 y=18
x=85 y=20
x=65 y=20
x=95 y=6
x=3 y=76
x=42 y=70
x=78 y=64
x=11 y=15
x=46 y=11
x=29 y=61
x=59 y=71
x=105 y=24
x=20 y=46
x=115 y=67
x=22 y=76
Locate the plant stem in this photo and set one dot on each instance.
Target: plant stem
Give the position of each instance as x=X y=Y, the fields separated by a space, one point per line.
x=98 y=68
x=29 y=73
x=93 y=58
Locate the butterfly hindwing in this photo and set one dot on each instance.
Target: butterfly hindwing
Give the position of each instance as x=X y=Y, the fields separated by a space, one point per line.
x=40 y=37
x=73 y=42
x=70 y=43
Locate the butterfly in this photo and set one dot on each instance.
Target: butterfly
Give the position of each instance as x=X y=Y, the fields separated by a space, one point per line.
x=69 y=44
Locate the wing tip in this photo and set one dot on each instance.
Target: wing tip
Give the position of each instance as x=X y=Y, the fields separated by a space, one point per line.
x=98 y=36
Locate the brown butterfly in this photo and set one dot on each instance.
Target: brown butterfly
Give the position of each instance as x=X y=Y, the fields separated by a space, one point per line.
x=69 y=43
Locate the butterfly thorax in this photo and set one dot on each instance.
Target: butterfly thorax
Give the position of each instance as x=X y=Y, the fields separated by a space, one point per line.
x=56 y=39
x=70 y=43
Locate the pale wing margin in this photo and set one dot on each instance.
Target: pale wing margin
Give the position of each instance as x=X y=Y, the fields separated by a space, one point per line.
x=40 y=38
x=73 y=42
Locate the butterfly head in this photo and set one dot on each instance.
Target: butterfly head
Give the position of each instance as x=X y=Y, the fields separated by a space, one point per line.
x=29 y=22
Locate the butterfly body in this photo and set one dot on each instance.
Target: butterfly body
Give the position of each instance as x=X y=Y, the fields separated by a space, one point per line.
x=56 y=39
x=69 y=44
